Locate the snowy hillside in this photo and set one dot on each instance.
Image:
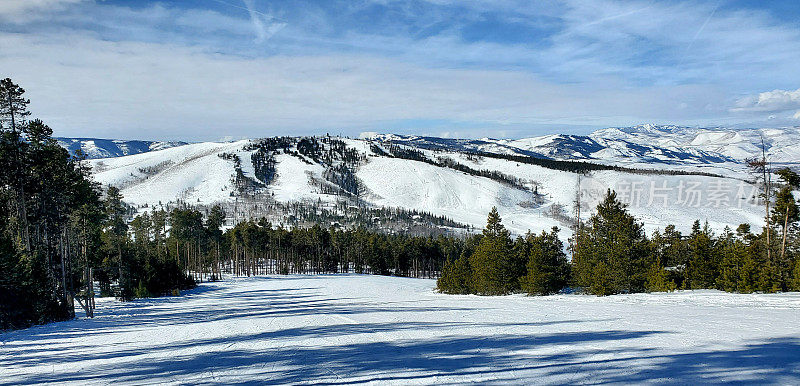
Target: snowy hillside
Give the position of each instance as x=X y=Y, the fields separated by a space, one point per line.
x=716 y=150
x=271 y=177
x=104 y=148
x=351 y=329
x=783 y=145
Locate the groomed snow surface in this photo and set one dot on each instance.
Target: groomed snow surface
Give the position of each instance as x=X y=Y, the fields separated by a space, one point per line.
x=349 y=329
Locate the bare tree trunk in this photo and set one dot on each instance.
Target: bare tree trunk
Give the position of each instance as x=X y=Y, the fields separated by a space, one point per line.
x=91 y=292
x=783 y=242
x=767 y=192
x=22 y=210
x=64 y=251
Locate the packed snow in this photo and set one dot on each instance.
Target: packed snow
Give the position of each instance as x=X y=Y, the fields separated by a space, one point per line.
x=394 y=182
x=349 y=329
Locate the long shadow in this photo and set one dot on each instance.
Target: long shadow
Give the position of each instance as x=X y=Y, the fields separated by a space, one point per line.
x=261 y=303
x=775 y=361
x=772 y=361
x=451 y=356
x=566 y=357
x=73 y=353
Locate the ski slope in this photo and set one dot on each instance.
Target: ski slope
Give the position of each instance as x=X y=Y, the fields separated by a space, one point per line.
x=352 y=329
x=193 y=173
x=394 y=182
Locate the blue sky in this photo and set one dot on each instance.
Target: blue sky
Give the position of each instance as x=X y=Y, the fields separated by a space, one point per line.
x=211 y=69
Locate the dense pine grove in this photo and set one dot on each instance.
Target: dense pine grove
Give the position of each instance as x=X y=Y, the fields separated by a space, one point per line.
x=611 y=254
x=493 y=264
x=58 y=229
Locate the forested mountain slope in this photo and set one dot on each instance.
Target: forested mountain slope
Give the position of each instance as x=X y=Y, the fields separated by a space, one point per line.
x=533 y=182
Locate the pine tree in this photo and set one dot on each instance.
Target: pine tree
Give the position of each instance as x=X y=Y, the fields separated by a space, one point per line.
x=547 y=267
x=214 y=223
x=611 y=251
x=41 y=190
x=701 y=270
x=492 y=261
x=13 y=112
x=734 y=256
x=796 y=278
x=456 y=277
x=116 y=237
x=658 y=279
x=785 y=214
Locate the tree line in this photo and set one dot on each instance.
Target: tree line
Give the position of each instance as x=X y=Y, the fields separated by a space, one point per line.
x=409 y=153
x=582 y=167
x=611 y=254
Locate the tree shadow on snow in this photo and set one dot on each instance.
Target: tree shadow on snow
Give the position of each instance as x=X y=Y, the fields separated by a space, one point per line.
x=458 y=358
x=443 y=356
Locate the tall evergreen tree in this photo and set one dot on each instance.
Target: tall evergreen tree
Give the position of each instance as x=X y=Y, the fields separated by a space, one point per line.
x=785 y=215
x=547 y=266
x=701 y=270
x=214 y=223
x=13 y=112
x=611 y=250
x=734 y=252
x=492 y=259
x=42 y=189
x=116 y=237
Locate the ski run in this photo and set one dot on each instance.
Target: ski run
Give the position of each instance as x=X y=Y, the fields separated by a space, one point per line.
x=353 y=329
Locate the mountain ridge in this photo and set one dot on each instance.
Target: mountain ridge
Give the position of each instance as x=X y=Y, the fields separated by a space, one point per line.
x=640 y=144
x=94 y=148
x=294 y=180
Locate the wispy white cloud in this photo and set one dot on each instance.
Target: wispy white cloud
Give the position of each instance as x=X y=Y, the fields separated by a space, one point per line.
x=264 y=25
x=163 y=90
x=24 y=10
x=601 y=63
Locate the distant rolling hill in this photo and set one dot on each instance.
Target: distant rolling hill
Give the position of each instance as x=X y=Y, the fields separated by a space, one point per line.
x=105 y=148
x=299 y=180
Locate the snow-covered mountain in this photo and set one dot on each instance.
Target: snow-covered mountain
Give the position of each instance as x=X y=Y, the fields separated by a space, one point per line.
x=104 y=148
x=675 y=178
x=648 y=145
x=783 y=145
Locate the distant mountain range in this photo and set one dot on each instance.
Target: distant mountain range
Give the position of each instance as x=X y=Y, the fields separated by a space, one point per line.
x=104 y=148
x=643 y=144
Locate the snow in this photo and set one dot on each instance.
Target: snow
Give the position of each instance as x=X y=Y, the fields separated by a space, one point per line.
x=292 y=181
x=395 y=182
x=194 y=173
x=782 y=144
x=369 y=329
x=633 y=189
x=104 y=148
